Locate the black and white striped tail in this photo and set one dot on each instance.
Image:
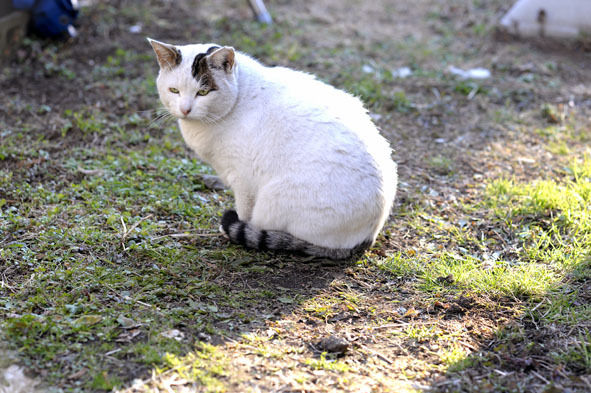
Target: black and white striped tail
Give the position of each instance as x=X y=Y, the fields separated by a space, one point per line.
x=243 y=233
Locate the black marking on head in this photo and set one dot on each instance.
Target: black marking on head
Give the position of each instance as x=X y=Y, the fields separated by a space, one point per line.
x=199 y=65
x=241 y=234
x=211 y=49
x=262 y=240
x=200 y=69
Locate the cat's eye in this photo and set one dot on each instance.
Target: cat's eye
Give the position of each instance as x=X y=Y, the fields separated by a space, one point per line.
x=174 y=90
x=202 y=92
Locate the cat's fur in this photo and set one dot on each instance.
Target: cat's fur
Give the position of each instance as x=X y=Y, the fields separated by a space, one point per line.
x=308 y=168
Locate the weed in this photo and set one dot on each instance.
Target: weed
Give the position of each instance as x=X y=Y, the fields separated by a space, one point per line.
x=578 y=355
x=469 y=88
x=105 y=382
x=551 y=114
x=324 y=362
x=206 y=364
x=111 y=266
x=455 y=358
x=442 y=165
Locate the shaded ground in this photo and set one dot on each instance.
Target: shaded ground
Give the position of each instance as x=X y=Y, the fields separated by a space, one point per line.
x=113 y=275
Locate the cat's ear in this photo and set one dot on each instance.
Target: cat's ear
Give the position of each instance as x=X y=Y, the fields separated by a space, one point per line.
x=168 y=56
x=222 y=58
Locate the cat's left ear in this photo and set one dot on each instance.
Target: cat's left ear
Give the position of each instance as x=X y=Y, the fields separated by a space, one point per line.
x=223 y=59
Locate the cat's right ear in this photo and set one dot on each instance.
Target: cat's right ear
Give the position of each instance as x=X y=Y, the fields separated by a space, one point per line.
x=223 y=58
x=168 y=56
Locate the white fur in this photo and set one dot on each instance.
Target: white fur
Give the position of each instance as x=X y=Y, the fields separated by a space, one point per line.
x=301 y=156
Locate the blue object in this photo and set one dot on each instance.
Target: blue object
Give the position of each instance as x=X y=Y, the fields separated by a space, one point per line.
x=49 y=18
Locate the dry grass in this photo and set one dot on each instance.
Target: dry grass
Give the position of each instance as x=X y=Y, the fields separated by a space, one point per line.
x=112 y=276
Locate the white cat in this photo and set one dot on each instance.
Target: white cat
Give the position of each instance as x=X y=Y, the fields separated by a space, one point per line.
x=309 y=170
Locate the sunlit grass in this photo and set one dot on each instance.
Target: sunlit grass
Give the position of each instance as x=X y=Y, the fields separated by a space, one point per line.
x=325 y=362
x=550 y=219
x=207 y=364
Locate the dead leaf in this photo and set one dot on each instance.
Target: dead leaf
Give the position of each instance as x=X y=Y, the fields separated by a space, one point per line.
x=88 y=320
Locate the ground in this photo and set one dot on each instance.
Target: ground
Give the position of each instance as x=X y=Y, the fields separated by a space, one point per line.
x=113 y=275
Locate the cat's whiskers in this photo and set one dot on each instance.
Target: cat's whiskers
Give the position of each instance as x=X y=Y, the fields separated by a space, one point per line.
x=162 y=116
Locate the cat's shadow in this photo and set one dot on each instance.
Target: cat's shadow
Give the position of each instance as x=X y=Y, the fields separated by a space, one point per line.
x=302 y=273
x=288 y=282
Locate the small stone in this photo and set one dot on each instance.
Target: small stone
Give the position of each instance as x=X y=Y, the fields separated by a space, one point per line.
x=449 y=279
x=213 y=182
x=126 y=323
x=402 y=72
x=175 y=334
x=333 y=344
x=367 y=69
x=135 y=29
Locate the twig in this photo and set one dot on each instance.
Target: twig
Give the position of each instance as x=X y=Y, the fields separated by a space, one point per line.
x=540 y=376
x=129 y=298
x=376 y=353
x=140 y=302
x=538 y=305
x=181 y=235
x=91 y=172
x=112 y=352
x=466 y=344
x=282 y=388
x=586 y=380
x=126 y=231
x=3 y=283
x=403 y=324
x=124 y=226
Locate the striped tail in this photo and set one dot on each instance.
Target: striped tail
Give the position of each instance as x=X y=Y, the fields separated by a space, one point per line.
x=243 y=233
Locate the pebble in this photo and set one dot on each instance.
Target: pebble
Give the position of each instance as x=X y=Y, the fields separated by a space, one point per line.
x=333 y=344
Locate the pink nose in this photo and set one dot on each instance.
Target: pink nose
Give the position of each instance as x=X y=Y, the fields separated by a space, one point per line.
x=185 y=111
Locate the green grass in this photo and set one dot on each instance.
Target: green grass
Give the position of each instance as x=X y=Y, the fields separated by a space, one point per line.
x=324 y=362
x=111 y=234
x=206 y=365
x=109 y=240
x=549 y=220
x=547 y=228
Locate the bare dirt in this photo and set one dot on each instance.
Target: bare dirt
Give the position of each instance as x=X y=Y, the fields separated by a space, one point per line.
x=479 y=136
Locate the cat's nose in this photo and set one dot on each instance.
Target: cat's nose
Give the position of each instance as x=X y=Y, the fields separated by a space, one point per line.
x=185 y=111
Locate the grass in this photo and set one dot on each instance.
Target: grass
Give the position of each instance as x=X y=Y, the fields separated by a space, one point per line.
x=327 y=364
x=113 y=275
x=550 y=222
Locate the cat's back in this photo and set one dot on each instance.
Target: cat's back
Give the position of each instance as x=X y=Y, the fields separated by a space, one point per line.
x=289 y=88
x=297 y=87
x=297 y=101
x=307 y=123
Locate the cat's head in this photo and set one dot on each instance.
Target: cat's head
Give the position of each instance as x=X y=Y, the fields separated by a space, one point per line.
x=196 y=82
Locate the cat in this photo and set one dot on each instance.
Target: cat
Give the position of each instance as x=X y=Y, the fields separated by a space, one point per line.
x=308 y=168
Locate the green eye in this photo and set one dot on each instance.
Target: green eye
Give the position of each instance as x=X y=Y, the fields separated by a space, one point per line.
x=202 y=92
x=174 y=90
